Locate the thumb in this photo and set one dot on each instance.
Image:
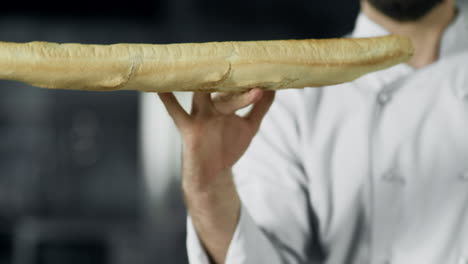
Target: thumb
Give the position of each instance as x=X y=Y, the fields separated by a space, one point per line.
x=229 y=103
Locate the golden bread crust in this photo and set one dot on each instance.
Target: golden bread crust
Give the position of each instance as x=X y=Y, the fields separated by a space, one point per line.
x=213 y=66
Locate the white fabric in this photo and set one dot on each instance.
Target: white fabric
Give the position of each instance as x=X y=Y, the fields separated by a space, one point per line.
x=373 y=171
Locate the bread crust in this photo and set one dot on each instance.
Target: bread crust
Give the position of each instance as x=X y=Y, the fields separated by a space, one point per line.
x=213 y=66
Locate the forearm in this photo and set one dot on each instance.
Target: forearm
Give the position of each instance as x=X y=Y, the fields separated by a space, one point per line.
x=215 y=212
x=213 y=141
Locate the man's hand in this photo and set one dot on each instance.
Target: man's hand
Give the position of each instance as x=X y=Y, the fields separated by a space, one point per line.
x=214 y=138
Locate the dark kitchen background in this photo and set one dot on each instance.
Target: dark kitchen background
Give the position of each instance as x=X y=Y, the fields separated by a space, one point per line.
x=89 y=177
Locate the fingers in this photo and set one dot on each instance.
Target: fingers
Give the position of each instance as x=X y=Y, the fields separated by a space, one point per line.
x=174 y=109
x=201 y=103
x=261 y=108
x=229 y=103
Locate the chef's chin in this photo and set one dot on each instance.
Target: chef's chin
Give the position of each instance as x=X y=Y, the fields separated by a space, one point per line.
x=405 y=10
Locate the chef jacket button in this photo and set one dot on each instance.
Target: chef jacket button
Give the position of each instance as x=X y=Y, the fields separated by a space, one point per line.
x=391 y=176
x=386 y=261
x=384 y=97
x=464 y=177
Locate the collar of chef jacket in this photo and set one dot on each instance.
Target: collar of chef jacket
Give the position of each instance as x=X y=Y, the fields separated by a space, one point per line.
x=454 y=40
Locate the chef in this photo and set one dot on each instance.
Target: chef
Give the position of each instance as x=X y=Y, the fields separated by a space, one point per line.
x=372 y=171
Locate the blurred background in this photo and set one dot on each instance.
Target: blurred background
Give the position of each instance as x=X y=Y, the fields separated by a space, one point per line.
x=89 y=177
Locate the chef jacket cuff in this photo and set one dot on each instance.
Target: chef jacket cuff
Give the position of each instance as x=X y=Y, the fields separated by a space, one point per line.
x=236 y=251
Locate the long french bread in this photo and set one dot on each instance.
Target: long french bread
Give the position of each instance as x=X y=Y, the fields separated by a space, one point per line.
x=214 y=66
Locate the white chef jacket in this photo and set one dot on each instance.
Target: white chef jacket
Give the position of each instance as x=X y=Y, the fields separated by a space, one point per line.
x=372 y=171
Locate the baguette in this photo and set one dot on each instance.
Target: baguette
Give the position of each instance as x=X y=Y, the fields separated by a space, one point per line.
x=207 y=67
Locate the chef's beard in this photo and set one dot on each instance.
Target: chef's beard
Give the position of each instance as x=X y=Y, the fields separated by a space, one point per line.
x=405 y=10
